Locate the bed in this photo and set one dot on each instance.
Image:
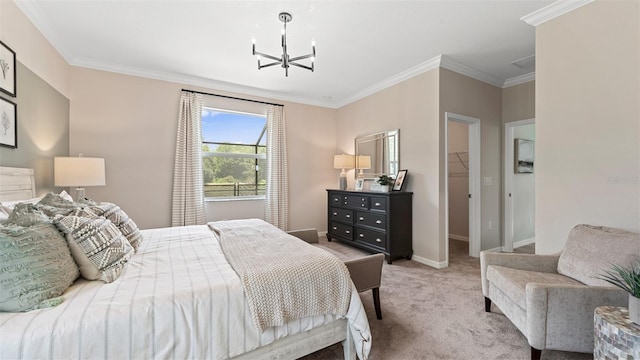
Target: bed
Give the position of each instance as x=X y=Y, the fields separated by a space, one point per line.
x=177 y=297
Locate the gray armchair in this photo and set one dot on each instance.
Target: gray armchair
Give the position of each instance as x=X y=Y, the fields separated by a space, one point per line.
x=551 y=298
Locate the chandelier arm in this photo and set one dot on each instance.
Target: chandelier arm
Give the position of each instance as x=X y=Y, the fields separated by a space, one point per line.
x=267 y=56
x=269 y=64
x=300 y=65
x=301 y=57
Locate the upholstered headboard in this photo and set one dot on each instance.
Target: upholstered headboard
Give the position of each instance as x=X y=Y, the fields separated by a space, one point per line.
x=17 y=184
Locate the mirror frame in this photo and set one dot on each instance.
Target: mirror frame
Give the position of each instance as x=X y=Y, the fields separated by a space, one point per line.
x=383 y=136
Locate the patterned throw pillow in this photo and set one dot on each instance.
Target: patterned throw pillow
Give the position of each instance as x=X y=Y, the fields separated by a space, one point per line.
x=37 y=267
x=53 y=204
x=25 y=214
x=97 y=246
x=113 y=212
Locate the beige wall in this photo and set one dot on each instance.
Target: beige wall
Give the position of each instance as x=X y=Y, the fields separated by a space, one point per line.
x=519 y=102
x=587 y=121
x=32 y=48
x=462 y=95
x=132 y=122
x=412 y=107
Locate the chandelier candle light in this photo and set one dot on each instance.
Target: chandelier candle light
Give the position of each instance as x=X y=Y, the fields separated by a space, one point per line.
x=284 y=60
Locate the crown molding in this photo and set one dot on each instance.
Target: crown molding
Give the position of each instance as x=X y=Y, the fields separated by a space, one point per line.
x=517 y=80
x=393 y=80
x=195 y=81
x=552 y=11
x=449 y=64
x=35 y=15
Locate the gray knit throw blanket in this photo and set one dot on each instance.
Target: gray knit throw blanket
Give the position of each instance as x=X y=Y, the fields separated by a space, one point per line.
x=284 y=277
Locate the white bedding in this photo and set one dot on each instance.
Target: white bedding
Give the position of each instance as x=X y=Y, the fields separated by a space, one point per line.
x=177 y=298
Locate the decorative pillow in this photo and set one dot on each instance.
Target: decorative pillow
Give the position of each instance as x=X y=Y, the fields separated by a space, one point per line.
x=9 y=205
x=125 y=224
x=25 y=214
x=37 y=267
x=54 y=204
x=65 y=195
x=97 y=246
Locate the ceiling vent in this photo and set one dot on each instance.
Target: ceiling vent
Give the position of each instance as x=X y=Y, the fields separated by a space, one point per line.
x=528 y=62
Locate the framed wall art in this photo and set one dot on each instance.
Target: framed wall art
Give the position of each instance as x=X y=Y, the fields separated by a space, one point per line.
x=8 y=67
x=524 y=150
x=8 y=124
x=399 y=182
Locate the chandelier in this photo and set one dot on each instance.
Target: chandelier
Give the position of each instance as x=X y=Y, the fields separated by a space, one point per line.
x=284 y=60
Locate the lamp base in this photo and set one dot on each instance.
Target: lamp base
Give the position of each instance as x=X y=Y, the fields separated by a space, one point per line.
x=343 y=182
x=79 y=193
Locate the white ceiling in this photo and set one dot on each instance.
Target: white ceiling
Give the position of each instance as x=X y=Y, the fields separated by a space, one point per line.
x=362 y=46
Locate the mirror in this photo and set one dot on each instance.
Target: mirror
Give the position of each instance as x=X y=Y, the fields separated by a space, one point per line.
x=377 y=154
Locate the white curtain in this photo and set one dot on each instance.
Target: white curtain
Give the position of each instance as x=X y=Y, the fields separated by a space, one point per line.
x=188 y=187
x=277 y=204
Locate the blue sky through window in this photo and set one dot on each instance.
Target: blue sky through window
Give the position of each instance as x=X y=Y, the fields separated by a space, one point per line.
x=234 y=128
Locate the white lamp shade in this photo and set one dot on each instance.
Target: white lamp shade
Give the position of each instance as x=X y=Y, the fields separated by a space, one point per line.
x=78 y=171
x=343 y=161
x=363 y=162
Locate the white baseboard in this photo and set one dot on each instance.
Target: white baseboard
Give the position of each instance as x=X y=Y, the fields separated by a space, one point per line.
x=524 y=242
x=322 y=234
x=459 y=237
x=428 y=262
x=496 y=249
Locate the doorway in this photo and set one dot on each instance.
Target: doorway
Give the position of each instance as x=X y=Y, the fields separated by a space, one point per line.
x=519 y=186
x=468 y=167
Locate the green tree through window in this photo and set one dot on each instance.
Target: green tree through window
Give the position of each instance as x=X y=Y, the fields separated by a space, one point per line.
x=234 y=154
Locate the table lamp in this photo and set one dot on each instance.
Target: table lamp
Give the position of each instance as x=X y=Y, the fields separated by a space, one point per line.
x=78 y=171
x=363 y=162
x=343 y=162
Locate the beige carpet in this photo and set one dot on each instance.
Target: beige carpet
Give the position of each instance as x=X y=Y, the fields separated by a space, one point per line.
x=436 y=314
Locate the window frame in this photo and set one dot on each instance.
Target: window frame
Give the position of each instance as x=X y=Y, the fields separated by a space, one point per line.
x=255 y=155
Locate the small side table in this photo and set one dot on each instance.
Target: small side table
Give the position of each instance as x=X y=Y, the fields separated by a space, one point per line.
x=615 y=336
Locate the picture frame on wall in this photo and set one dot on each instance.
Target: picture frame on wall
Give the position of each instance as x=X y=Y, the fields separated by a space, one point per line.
x=524 y=151
x=8 y=123
x=8 y=70
x=400 y=179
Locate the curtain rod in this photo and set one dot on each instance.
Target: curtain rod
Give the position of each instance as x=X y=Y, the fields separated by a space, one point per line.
x=233 y=97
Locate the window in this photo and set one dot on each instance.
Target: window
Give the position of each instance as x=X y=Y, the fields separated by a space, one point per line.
x=233 y=154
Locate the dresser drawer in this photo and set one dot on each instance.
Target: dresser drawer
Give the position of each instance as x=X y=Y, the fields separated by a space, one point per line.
x=378 y=203
x=342 y=230
x=375 y=238
x=356 y=201
x=342 y=215
x=336 y=200
x=372 y=219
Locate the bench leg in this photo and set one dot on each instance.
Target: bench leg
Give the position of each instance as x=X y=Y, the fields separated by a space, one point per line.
x=535 y=353
x=376 y=302
x=487 y=304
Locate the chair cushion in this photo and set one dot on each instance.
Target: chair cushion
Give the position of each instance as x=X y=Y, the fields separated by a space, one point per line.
x=513 y=282
x=590 y=250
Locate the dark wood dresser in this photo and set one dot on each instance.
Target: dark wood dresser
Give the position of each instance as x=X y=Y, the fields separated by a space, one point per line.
x=379 y=222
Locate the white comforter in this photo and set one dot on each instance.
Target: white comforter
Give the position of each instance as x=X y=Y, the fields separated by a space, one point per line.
x=177 y=298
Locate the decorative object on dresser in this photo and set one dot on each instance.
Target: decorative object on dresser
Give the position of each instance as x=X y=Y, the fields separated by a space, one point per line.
x=8 y=67
x=374 y=221
x=399 y=182
x=383 y=183
x=8 y=123
x=343 y=162
x=78 y=171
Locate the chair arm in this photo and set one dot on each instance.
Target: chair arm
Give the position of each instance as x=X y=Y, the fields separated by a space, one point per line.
x=366 y=271
x=530 y=262
x=561 y=316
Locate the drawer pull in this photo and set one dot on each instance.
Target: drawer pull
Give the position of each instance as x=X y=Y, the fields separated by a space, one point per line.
x=348 y=232
x=347 y=216
x=336 y=199
x=378 y=240
x=345 y=203
x=335 y=228
x=361 y=218
x=335 y=214
x=378 y=221
x=377 y=204
x=361 y=235
x=362 y=199
x=362 y=205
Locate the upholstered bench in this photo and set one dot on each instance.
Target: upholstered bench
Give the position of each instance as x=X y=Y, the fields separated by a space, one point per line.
x=366 y=271
x=551 y=298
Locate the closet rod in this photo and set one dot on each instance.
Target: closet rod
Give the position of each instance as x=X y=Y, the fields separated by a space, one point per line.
x=232 y=97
